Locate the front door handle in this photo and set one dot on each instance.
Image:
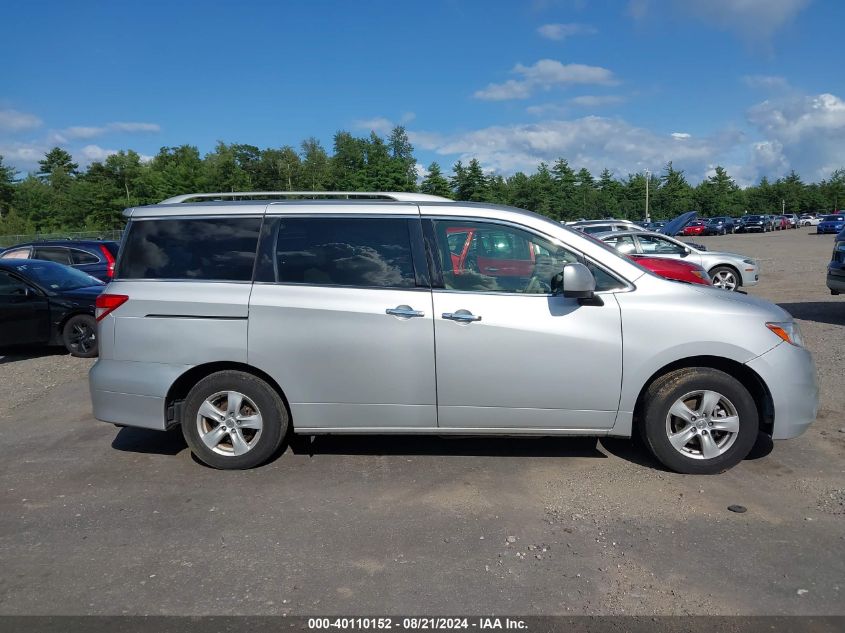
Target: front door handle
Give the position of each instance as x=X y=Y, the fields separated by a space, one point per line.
x=404 y=312
x=461 y=316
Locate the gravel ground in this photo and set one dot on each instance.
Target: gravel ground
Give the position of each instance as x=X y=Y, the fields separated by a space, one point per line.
x=99 y=520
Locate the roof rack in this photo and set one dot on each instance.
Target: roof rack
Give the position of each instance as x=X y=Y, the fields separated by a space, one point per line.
x=396 y=196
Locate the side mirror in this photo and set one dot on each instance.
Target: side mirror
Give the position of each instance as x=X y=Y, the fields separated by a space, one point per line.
x=575 y=282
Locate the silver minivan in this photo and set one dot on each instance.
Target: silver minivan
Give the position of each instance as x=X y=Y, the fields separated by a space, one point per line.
x=244 y=317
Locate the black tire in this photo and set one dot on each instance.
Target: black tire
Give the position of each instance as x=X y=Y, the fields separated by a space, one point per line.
x=79 y=336
x=663 y=393
x=265 y=401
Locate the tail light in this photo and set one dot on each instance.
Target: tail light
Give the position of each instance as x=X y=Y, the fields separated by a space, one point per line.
x=109 y=261
x=108 y=303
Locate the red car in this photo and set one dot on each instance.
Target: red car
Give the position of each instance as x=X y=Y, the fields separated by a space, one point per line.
x=695 y=228
x=468 y=252
x=674 y=269
x=781 y=223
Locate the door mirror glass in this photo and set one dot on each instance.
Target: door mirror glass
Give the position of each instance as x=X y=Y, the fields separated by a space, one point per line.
x=575 y=282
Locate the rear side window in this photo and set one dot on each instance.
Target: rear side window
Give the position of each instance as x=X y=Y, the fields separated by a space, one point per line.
x=83 y=257
x=365 y=252
x=18 y=253
x=52 y=254
x=219 y=249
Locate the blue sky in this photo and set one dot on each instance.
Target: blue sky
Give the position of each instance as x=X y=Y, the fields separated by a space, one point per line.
x=755 y=85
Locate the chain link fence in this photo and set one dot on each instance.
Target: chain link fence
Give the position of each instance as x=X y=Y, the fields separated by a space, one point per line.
x=11 y=240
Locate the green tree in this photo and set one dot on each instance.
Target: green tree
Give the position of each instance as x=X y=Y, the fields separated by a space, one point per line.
x=673 y=196
x=315 y=165
x=403 y=165
x=7 y=188
x=57 y=158
x=565 y=197
x=348 y=162
x=435 y=183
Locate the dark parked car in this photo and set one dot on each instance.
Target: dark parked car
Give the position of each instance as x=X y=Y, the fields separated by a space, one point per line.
x=831 y=223
x=753 y=223
x=95 y=257
x=719 y=226
x=48 y=303
x=836 y=268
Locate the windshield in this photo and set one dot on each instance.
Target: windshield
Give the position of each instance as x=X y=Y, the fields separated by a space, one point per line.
x=834 y=218
x=56 y=277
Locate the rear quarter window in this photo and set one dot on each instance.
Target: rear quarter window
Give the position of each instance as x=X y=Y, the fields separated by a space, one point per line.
x=218 y=249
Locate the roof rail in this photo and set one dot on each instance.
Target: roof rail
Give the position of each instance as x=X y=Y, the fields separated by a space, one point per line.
x=396 y=196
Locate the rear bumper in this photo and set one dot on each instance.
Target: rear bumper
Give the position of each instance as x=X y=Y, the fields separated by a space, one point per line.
x=790 y=375
x=131 y=393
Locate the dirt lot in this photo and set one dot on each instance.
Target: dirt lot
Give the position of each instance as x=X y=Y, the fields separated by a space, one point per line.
x=99 y=520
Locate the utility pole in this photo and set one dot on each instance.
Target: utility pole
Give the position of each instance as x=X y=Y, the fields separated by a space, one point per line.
x=647 y=178
x=783 y=207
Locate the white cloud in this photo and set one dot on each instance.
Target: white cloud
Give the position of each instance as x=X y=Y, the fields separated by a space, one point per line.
x=596 y=101
x=22 y=156
x=592 y=142
x=766 y=82
x=681 y=136
x=562 y=31
x=547 y=109
x=86 y=132
x=91 y=153
x=14 y=121
x=545 y=74
x=755 y=20
x=383 y=125
x=802 y=132
x=379 y=125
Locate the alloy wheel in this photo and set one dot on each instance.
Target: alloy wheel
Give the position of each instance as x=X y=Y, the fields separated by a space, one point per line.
x=229 y=423
x=82 y=338
x=725 y=279
x=702 y=424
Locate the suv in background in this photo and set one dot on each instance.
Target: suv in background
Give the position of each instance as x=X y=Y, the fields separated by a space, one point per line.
x=95 y=257
x=243 y=321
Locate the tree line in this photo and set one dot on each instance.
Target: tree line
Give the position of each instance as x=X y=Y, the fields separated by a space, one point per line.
x=62 y=197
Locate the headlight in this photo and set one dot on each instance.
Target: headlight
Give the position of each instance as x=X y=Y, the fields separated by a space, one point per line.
x=701 y=274
x=788 y=331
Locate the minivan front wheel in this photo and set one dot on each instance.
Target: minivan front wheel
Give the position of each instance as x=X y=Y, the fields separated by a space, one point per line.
x=699 y=421
x=233 y=420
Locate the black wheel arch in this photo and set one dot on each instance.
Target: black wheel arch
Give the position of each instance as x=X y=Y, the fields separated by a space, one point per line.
x=745 y=375
x=184 y=383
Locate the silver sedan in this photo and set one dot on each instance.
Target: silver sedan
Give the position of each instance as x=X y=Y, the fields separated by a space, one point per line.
x=729 y=271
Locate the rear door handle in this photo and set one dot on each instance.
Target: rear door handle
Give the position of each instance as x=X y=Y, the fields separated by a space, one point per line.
x=462 y=316
x=404 y=312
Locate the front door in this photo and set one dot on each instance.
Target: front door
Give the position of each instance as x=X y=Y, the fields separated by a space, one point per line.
x=340 y=316
x=509 y=353
x=24 y=313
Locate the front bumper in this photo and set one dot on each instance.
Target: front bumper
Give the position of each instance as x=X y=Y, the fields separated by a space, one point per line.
x=790 y=375
x=836 y=279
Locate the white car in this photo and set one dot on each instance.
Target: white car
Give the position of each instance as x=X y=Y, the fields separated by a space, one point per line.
x=808 y=220
x=728 y=271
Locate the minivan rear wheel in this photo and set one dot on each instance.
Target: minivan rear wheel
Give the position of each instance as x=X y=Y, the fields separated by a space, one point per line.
x=233 y=420
x=699 y=421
